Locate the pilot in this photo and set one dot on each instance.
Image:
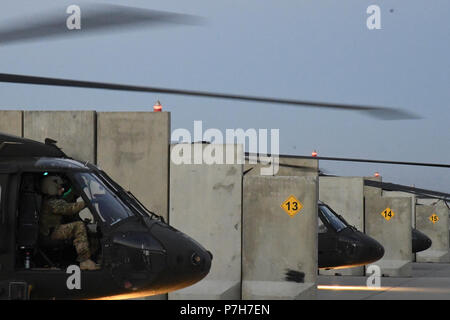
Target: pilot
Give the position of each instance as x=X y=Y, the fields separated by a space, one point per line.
x=54 y=207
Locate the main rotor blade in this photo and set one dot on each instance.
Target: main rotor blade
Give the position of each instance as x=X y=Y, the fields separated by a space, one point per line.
x=423 y=164
x=398 y=187
x=94 y=18
x=377 y=112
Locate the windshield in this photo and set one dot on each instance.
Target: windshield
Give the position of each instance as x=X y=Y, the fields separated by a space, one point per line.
x=332 y=218
x=129 y=198
x=109 y=206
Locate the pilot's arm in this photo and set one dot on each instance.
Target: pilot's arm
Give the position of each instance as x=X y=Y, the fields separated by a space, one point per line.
x=63 y=208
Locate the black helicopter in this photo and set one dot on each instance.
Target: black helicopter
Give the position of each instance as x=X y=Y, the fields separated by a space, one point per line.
x=420 y=241
x=137 y=249
x=342 y=245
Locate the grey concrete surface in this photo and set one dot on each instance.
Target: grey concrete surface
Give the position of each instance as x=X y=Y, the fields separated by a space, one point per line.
x=372 y=191
x=11 y=122
x=410 y=196
x=394 y=234
x=133 y=147
x=413 y=199
x=437 y=232
x=206 y=203
x=292 y=167
x=74 y=131
x=345 y=195
x=274 y=241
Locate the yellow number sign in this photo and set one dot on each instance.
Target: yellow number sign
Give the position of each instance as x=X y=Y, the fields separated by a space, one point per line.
x=292 y=206
x=388 y=214
x=434 y=218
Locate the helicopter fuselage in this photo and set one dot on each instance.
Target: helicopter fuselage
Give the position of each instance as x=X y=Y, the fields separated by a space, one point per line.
x=138 y=251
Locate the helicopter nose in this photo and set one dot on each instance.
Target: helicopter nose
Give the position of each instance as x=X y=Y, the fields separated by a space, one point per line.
x=187 y=261
x=420 y=241
x=372 y=250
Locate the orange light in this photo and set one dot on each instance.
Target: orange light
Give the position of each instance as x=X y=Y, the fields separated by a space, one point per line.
x=376 y=174
x=157 y=107
x=314 y=153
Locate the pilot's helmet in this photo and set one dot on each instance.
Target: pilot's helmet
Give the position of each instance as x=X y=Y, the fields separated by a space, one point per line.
x=51 y=184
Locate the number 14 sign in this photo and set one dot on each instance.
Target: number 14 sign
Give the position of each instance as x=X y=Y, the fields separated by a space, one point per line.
x=388 y=214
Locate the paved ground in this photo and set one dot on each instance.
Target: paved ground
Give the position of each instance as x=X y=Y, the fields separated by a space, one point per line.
x=430 y=281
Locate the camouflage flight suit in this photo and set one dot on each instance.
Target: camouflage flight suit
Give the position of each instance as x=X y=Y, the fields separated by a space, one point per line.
x=53 y=210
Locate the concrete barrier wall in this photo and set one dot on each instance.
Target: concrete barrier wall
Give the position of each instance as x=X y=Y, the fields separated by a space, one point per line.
x=394 y=234
x=437 y=231
x=11 y=122
x=133 y=147
x=410 y=196
x=73 y=130
x=288 y=167
x=274 y=241
x=206 y=203
x=372 y=191
x=345 y=195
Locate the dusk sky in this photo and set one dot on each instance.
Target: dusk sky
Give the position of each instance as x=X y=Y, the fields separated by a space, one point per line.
x=307 y=50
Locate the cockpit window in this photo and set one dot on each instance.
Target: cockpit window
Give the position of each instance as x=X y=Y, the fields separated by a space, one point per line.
x=322 y=228
x=109 y=206
x=332 y=218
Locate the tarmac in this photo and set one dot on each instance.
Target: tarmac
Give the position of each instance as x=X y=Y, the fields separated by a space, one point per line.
x=429 y=281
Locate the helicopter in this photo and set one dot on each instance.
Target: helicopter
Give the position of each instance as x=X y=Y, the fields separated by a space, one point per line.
x=341 y=245
x=138 y=250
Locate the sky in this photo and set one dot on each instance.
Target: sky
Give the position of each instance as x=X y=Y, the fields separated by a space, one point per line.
x=306 y=50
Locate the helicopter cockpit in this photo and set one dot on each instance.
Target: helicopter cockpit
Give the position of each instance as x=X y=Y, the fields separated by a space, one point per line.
x=107 y=205
x=327 y=218
x=37 y=250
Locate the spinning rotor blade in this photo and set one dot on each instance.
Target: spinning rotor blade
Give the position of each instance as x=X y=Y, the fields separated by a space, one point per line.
x=93 y=18
x=398 y=187
x=383 y=113
x=423 y=164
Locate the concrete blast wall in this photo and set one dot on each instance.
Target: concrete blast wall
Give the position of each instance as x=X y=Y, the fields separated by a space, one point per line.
x=393 y=234
x=73 y=130
x=411 y=196
x=288 y=167
x=133 y=147
x=437 y=231
x=274 y=241
x=11 y=122
x=345 y=195
x=206 y=203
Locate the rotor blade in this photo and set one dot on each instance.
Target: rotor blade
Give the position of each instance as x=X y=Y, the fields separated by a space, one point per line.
x=93 y=18
x=398 y=187
x=377 y=112
x=423 y=164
